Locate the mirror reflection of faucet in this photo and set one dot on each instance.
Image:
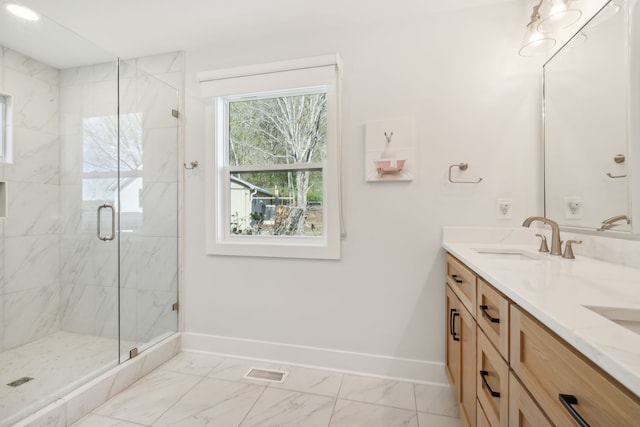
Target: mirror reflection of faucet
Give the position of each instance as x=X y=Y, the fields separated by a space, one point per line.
x=614 y=221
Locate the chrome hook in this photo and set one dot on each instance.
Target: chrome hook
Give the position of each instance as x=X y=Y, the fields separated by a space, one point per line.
x=194 y=164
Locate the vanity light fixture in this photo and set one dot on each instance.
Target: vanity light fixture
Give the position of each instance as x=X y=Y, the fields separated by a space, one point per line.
x=557 y=14
x=535 y=42
x=22 y=12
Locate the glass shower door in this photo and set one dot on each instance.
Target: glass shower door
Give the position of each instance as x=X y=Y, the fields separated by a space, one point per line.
x=148 y=210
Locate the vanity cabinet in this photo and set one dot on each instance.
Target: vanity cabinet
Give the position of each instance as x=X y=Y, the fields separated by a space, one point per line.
x=568 y=386
x=508 y=370
x=461 y=355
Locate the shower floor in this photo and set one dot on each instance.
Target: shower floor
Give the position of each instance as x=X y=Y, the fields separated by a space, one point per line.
x=58 y=364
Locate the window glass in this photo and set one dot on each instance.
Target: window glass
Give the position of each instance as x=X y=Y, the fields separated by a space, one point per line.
x=270 y=131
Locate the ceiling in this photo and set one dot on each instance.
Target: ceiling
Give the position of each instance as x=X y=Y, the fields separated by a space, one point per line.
x=133 y=28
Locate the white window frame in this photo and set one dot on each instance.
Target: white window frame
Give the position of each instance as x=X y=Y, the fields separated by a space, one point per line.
x=6 y=128
x=281 y=79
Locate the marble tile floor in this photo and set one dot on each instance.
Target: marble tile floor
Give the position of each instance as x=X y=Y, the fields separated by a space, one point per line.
x=196 y=389
x=58 y=363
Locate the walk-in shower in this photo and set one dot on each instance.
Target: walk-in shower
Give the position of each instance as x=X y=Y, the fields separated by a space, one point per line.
x=88 y=212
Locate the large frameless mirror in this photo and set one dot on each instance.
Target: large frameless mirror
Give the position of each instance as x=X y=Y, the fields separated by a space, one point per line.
x=586 y=126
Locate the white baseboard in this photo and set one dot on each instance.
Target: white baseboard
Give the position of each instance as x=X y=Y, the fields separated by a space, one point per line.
x=418 y=371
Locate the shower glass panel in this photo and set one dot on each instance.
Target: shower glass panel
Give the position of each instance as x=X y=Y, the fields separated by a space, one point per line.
x=148 y=209
x=88 y=248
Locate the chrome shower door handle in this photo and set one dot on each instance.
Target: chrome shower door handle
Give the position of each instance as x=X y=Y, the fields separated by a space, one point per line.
x=113 y=222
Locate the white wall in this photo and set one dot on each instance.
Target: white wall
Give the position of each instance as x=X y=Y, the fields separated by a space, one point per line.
x=473 y=99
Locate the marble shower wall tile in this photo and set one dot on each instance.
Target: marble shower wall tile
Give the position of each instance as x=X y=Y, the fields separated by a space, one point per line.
x=30 y=67
x=107 y=71
x=35 y=157
x=75 y=219
x=154 y=314
x=29 y=282
x=30 y=262
x=34 y=209
x=77 y=260
x=160 y=149
x=35 y=102
x=155 y=100
x=30 y=314
x=157 y=264
x=77 y=308
x=106 y=312
x=165 y=63
x=167 y=67
x=159 y=201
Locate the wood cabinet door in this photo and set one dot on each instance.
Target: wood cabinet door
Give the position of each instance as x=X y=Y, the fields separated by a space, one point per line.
x=467 y=398
x=460 y=362
x=452 y=344
x=523 y=410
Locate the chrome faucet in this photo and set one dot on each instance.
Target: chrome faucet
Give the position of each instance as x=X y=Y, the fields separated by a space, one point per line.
x=556 y=244
x=609 y=223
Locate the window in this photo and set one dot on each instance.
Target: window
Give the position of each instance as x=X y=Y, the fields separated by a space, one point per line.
x=5 y=128
x=272 y=135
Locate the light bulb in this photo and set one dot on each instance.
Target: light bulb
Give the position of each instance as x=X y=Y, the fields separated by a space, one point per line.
x=535 y=42
x=558 y=15
x=22 y=12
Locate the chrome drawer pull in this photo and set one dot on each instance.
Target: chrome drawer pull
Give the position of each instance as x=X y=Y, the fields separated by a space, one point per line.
x=486 y=314
x=456 y=278
x=568 y=401
x=484 y=375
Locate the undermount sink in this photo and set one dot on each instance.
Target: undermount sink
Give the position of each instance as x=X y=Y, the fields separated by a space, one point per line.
x=626 y=317
x=506 y=254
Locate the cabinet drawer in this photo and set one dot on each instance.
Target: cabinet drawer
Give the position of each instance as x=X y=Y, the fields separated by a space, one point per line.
x=492 y=314
x=523 y=410
x=492 y=382
x=552 y=371
x=463 y=282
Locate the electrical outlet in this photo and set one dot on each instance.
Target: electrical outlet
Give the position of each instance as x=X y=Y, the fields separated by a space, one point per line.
x=503 y=209
x=573 y=207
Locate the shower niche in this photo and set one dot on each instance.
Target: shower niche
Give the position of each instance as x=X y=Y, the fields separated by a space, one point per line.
x=94 y=154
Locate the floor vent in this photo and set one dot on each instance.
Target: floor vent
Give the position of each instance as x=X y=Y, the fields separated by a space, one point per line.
x=266 y=375
x=19 y=381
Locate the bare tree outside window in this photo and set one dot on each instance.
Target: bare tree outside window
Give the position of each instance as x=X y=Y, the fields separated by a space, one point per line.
x=265 y=133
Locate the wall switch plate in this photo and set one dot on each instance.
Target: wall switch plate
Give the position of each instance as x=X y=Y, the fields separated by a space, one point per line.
x=503 y=209
x=572 y=207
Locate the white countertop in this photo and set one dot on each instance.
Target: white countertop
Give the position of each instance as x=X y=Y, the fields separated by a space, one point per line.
x=555 y=291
